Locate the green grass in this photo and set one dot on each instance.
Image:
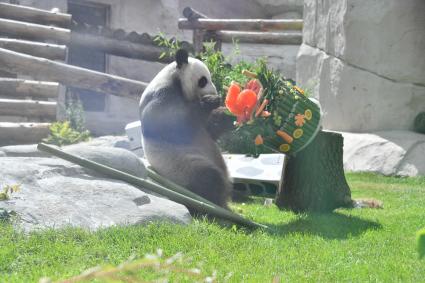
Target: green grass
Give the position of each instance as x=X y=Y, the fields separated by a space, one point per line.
x=355 y=245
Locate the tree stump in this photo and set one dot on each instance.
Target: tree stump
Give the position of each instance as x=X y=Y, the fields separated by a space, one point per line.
x=314 y=179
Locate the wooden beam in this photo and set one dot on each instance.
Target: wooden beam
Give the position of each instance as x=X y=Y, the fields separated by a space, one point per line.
x=22 y=133
x=192 y=14
x=28 y=108
x=120 y=47
x=260 y=37
x=34 y=31
x=39 y=49
x=24 y=88
x=68 y=75
x=241 y=24
x=33 y=15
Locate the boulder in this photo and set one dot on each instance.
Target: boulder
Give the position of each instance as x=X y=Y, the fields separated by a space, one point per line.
x=364 y=61
x=398 y=153
x=28 y=150
x=117 y=158
x=55 y=193
x=386 y=37
x=356 y=100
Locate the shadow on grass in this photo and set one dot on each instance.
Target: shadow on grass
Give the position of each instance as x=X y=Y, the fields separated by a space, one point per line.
x=329 y=226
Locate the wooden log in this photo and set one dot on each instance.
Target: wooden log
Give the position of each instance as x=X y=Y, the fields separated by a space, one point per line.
x=24 y=88
x=260 y=37
x=39 y=49
x=28 y=108
x=120 y=47
x=68 y=75
x=22 y=133
x=33 y=15
x=241 y=24
x=34 y=31
x=192 y=14
x=314 y=179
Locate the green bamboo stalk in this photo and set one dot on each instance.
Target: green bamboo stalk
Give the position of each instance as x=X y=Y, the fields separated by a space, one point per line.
x=141 y=184
x=175 y=187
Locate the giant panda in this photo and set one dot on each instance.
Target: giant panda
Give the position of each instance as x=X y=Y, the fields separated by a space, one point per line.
x=180 y=120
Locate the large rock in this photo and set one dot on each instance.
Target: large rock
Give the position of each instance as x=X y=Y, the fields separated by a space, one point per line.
x=400 y=153
x=354 y=99
x=364 y=58
x=55 y=193
x=386 y=37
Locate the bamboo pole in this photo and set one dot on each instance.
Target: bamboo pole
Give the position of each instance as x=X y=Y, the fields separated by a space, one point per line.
x=33 y=15
x=39 y=49
x=68 y=75
x=34 y=31
x=260 y=37
x=24 y=88
x=175 y=187
x=120 y=47
x=140 y=183
x=28 y=108
x=241 y=24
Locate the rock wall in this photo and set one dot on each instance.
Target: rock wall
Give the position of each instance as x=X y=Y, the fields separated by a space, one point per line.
x=364 y=60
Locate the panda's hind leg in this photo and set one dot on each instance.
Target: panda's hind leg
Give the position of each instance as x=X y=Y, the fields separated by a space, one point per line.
x=209 y=181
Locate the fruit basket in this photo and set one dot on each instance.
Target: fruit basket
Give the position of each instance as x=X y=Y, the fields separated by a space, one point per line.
x=278 y=117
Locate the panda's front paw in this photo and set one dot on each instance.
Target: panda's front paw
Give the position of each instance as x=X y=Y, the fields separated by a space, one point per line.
x=210 y=102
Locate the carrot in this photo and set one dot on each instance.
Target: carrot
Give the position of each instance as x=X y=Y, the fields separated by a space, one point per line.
x=259 y=140
x=285 y=136
x=261 y=108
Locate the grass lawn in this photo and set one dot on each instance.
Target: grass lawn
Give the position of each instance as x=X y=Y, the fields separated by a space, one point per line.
x=354 y=245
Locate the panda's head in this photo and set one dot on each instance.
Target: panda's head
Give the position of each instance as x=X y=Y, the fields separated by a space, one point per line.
x=194 y=76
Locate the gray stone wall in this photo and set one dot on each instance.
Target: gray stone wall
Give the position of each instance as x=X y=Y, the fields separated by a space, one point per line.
x=364 y=60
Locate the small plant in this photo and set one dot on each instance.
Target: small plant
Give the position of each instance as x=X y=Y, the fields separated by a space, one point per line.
x=172 y=45
x=61 y=133
x=8 y=190
x=129 y=270
x=72 y=130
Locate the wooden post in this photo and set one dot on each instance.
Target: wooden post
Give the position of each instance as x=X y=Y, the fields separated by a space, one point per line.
x=314 y=179
x=68 y=75
x=24 y=88
x=241 y=24
x=120 y=47
x=45 y=50
x=34 y=31
x=33 y=15
x=198 y=40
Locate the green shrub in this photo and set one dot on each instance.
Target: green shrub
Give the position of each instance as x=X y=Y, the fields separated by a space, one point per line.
x=61 y=133
x=72 y=130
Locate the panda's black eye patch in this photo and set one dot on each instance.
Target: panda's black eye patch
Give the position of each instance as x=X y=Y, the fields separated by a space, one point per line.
x=202 y=82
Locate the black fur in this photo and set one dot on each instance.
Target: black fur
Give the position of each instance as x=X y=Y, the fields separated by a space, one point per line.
x=182 y=57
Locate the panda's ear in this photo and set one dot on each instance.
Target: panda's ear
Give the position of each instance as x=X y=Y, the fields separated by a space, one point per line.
x=182 y=57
